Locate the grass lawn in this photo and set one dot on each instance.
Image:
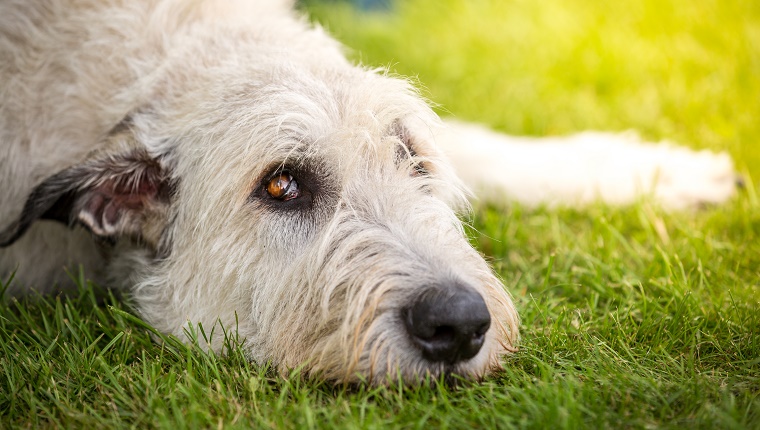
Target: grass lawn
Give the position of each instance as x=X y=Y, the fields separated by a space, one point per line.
x=631 y=317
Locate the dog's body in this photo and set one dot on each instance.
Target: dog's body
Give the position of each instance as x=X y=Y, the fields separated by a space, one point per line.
x=223 y=162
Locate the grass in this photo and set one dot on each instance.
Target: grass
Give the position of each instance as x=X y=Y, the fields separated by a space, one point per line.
x=631 y=317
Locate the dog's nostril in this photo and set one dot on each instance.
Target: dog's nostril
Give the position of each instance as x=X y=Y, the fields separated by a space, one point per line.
x=443 y=334
x=449 y=324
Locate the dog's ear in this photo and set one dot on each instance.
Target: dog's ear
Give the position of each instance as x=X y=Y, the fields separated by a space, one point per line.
x=112 y=196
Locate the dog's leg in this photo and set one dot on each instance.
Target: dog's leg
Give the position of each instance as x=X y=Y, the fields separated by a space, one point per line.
x=614 y=168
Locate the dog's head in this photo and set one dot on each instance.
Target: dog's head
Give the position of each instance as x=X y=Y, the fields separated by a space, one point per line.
x=306 y=207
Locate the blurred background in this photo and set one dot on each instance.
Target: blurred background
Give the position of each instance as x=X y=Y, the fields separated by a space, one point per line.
x=683 y=70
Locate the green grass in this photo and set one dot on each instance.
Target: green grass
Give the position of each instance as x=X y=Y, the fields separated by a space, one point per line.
x=630 y=317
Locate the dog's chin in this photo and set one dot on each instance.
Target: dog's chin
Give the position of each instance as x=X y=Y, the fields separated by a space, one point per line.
x=411 y=368
x=435 y=373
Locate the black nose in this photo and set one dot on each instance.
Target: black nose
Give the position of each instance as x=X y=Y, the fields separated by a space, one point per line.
x=449 y=324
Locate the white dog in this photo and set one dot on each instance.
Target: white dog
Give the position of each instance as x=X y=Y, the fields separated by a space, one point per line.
x=223 y=162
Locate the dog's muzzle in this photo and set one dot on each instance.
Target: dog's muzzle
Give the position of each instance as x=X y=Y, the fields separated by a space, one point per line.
x=448 y=324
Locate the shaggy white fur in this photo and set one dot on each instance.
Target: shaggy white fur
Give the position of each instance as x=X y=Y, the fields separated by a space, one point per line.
x=614 y=168
x=231 y=168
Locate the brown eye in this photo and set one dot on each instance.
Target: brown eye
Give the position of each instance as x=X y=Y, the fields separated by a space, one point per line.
x=283 y=187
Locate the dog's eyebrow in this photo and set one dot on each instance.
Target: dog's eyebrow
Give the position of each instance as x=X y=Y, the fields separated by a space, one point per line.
x=398 y=130
x=406 y=151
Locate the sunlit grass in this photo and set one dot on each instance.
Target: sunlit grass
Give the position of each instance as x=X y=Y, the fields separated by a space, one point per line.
x=630 y=317
x=672 y=69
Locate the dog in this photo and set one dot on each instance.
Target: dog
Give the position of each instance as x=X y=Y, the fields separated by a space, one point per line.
x=225 y=164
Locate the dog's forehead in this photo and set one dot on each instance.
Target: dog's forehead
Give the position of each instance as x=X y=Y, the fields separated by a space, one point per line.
x=297 y=111
x=360 y=103
x=234 y=130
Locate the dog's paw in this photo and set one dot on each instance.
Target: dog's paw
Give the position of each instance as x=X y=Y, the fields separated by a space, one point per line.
x=684 y=178
x=675 y=176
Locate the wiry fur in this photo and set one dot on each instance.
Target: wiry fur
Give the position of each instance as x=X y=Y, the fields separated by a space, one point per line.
x=153 y=124
x=107 y=103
